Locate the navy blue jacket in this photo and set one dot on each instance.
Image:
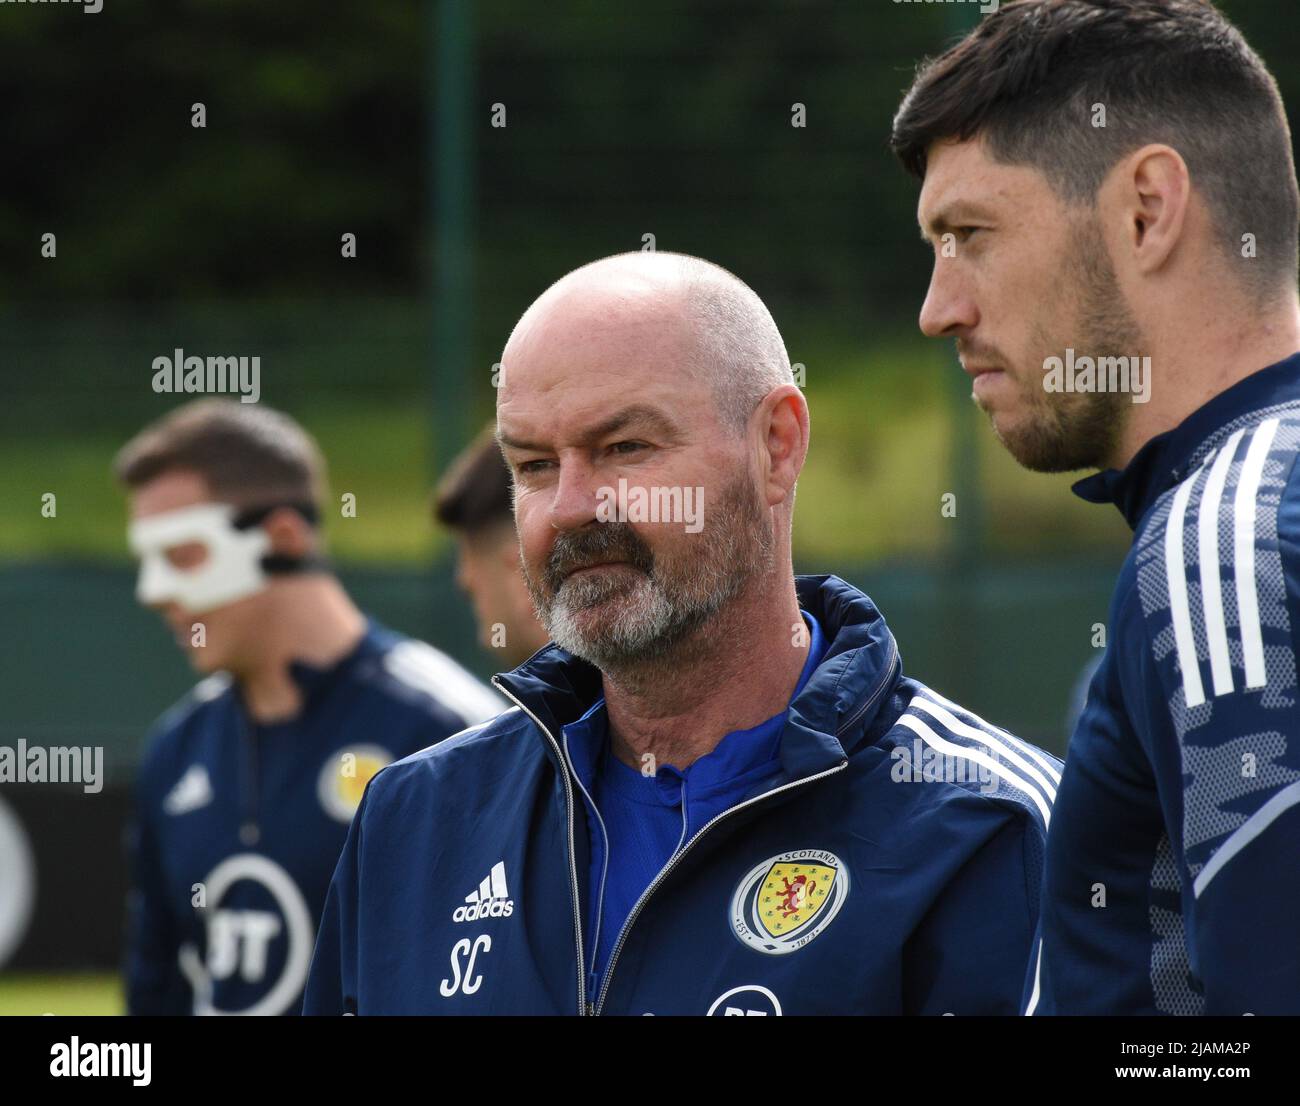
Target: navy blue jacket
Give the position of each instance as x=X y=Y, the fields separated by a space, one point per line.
x=238 y=826
x=1172 y=882
x=851 y=884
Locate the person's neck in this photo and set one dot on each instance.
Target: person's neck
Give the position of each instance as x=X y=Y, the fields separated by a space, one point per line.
x=734 y=673
x=308 y=619
x=1200 y=355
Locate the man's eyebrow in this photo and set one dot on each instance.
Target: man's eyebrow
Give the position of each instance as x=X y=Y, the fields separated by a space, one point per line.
x=510 y=442
x=641 y=415
x=638 y=414
x=952 y=217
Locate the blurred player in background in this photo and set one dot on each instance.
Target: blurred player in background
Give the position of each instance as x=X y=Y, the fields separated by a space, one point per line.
x=1111 y=194
x=247 y=786
x=474 y=501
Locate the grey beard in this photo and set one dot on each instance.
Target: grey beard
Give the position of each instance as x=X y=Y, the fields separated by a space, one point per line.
x=647 y=633
x=663 y=608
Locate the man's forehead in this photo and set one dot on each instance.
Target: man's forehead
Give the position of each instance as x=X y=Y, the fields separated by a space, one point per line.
x=963 y=180
x=169 y=490
x=589 y=371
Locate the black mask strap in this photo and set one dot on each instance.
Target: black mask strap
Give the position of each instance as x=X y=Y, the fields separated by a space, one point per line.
x=278 y=564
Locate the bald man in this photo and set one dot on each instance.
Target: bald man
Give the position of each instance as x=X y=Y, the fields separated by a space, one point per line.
x=716 y=793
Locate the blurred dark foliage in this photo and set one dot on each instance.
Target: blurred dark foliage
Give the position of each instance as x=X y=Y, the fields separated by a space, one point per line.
x=670 y=118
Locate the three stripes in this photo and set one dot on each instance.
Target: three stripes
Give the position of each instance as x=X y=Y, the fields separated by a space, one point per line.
x=1012 y=760
x=1243 y=553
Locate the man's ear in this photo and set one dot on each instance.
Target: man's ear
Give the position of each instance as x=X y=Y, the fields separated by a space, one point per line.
x=291 y=534
x=1157 y=195
x=783 y=447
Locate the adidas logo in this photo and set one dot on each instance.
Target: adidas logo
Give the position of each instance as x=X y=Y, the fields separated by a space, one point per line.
x=490 y=900
x=192 y=790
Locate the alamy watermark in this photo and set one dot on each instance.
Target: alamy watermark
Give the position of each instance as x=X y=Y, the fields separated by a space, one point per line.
x=89 y=7
x=83 y=764
x=922 y=763
x=90 y=1059
x=653 y=504
x=212 y=375
x=1098 y=374
x=986 y=7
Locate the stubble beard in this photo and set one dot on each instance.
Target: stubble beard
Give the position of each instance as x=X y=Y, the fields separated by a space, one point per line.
x=1069 y=431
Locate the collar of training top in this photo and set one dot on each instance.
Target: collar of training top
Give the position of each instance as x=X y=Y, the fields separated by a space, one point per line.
x=312 y=680
x=1167 y=458
x=315 y=681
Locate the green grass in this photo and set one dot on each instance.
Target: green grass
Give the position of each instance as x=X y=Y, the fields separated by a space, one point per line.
x=60 y=994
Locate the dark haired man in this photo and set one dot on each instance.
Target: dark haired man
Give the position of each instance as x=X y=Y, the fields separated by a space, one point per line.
x=248 y=785
x=1110 y=190
x=474 y=501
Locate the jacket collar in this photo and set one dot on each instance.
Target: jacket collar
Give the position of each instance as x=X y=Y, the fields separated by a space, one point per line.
x=1168 y=458
x=826 y=720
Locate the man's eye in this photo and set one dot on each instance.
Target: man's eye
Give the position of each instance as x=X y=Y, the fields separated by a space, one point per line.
x=531 y=468
x=187 y=556
x=627 y=447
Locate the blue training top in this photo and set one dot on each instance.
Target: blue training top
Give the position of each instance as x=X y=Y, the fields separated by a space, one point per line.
x=646 y=818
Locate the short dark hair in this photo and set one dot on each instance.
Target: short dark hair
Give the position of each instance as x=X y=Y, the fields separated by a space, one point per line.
x=1170 y=71
x=248 y=454
x=476 y=493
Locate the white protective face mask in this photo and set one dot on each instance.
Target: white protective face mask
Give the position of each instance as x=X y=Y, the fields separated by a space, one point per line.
x=232 y=569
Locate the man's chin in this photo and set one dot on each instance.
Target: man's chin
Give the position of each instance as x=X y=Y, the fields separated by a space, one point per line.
x=597 y=631
x=1037 y=451
x=594 y=623
x=597 y=589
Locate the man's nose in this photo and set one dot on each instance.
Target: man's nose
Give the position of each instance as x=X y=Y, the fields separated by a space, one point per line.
x=948 y=308
x=577 y=495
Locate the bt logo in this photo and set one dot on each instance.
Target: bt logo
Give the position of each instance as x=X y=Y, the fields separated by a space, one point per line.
x=751 y=1002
